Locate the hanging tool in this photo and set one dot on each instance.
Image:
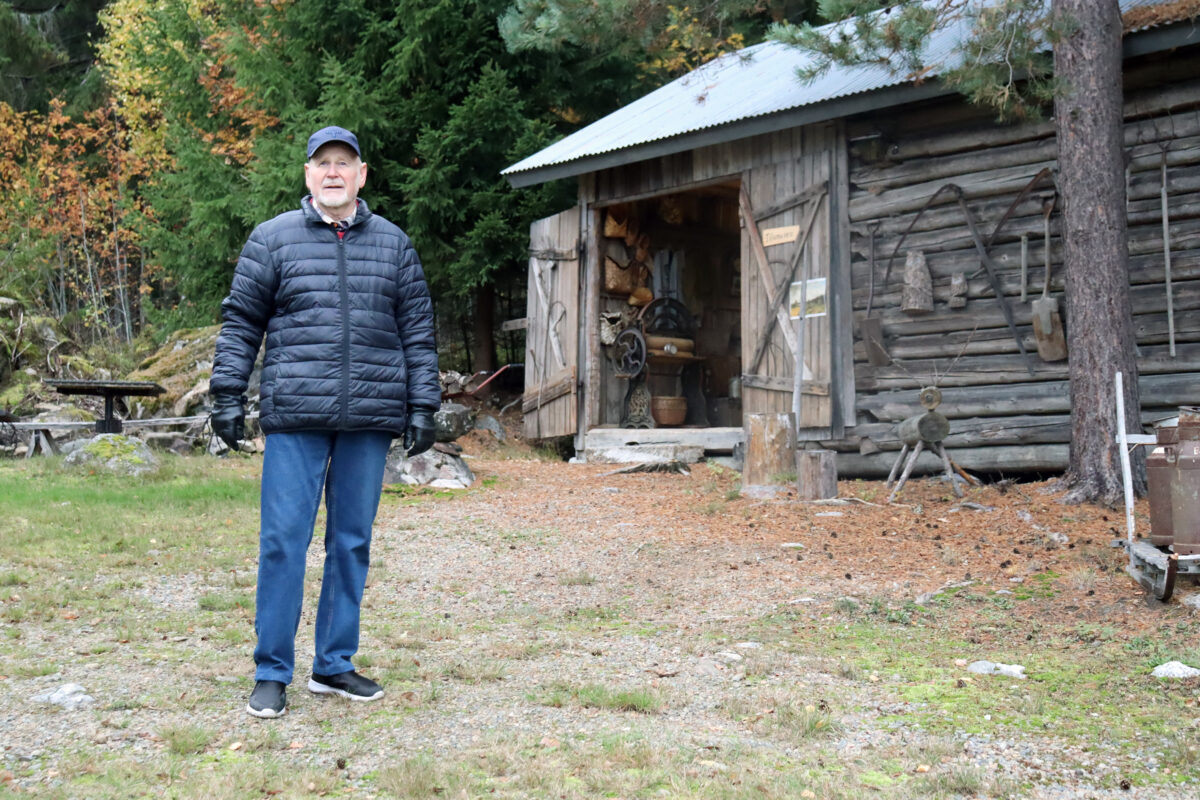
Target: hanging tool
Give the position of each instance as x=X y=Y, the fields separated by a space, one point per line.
x=1047 y=323
x=869 y=327
x=1024 y=266
x=993 y=276
x=989 y=266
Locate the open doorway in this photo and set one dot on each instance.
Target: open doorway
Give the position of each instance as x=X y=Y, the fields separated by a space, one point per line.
x=671 y=310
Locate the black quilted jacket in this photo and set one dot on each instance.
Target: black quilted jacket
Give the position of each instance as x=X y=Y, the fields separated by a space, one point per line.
x=349 y=325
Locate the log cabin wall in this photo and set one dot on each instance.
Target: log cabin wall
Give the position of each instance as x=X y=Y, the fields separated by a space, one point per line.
x=1003 y=418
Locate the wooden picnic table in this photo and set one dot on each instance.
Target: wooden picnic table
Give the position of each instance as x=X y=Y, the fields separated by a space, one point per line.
x=110 y=391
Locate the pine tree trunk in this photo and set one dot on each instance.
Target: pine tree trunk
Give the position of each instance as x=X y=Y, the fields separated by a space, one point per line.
x=483 y=351
x=1100 y=338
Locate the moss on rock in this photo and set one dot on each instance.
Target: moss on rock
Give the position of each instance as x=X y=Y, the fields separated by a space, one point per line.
x=182 y=362
x=114 y=452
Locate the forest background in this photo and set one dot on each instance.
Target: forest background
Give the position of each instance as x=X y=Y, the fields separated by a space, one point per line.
x=142 y=140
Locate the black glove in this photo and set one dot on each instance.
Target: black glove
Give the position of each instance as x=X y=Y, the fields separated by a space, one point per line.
x=228 y=417
x=419 y=435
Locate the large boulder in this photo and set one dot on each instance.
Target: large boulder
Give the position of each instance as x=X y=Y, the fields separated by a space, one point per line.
x=113 y=452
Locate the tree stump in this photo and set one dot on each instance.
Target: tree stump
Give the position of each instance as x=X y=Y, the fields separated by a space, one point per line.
x=816 y=474
x=770 y=450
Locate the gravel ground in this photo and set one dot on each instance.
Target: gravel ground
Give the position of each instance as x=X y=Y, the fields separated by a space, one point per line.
x=564 y=575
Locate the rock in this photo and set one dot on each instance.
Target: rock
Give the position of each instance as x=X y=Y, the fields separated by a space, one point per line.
x=169 y=440
x=115 y=452
x=1055 y=539
x=64 y=413
x=728 y=656
x=991 y=668
x=431 y=468
x=452 y=421
x=70 y=696
x=193 y=398
x=71 y=445
x=1175 y=669
x=492 y=425
x=1192 y=601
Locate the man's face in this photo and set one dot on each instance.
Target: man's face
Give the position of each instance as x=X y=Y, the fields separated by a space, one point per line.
x=334 y=175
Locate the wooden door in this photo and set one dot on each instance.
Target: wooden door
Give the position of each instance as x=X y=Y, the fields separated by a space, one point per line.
x=551 y=334
x=787 y=217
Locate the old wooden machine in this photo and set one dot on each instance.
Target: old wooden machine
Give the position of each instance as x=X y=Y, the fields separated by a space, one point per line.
x=660 y=341
x=1173 y=483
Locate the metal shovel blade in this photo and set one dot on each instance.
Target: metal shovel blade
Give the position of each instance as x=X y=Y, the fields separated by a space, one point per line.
x=1048 y=329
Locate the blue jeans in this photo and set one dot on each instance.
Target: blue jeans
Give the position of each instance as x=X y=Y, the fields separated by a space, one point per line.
x=349 y=464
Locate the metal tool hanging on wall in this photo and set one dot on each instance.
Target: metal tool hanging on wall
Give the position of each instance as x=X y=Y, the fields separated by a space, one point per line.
x=986 y=261
x=1047 y=323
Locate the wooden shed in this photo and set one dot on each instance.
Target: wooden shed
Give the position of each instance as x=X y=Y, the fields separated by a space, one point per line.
x=662 y=307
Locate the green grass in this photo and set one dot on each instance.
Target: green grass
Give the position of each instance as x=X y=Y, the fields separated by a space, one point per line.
x=55 y=518
x=1086 y=682
x=592 y=695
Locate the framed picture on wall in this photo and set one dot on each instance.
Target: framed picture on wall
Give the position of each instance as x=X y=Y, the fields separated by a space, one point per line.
x=807 y=299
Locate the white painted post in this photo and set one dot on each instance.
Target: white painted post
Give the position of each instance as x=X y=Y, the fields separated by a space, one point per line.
x=1126 y=477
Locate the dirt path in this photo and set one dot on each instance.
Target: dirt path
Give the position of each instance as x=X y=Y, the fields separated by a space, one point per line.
x=563 y=576
x=566 y=631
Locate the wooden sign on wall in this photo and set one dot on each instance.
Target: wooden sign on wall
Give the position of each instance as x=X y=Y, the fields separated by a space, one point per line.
x=784 y=235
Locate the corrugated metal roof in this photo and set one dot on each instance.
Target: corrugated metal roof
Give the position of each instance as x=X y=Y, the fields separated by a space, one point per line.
x=1141 y=15
x=758 y=81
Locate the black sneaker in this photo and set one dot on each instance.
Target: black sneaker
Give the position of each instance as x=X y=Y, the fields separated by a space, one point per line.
x=269 y=699
x=350 y=685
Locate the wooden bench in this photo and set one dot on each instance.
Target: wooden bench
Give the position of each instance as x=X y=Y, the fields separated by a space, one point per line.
x=41 y=434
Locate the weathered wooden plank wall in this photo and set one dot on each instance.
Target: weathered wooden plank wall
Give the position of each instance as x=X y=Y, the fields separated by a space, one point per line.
x=552 y=335
x=1016 y=421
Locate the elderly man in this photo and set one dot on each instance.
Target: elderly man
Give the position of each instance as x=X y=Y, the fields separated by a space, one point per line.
x=350 y=363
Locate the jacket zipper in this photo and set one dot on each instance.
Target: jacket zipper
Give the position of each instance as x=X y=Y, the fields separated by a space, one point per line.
x=344 y=294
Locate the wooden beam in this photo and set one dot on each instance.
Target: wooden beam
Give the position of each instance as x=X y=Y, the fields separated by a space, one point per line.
x=803 y=196
x=1046 y=397
x=721 y=440
x=515 y=324
x=558 y=385
x=776 y=384
x=1005 y=459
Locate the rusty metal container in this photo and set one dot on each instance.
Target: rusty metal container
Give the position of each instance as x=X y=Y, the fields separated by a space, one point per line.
x=1160 y=476
x=1185 y=490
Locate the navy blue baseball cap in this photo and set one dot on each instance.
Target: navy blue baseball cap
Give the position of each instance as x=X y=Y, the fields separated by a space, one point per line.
x=333 y=134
